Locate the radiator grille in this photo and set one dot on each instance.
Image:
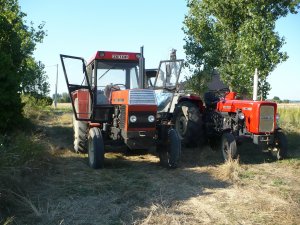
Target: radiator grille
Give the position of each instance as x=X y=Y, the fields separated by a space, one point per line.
x=142 y=97
x=266 y=119
x=122 y=116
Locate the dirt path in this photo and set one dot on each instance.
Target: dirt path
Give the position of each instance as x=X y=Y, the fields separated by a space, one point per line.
x=134 y=189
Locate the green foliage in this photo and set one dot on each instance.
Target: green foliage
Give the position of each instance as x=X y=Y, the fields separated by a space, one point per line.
x=289 y=117
x=235 y=37
x=17 y=43
x=34 y=105
x=62 y=98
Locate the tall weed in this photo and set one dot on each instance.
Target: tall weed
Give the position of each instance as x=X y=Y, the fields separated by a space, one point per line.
x=289 y=118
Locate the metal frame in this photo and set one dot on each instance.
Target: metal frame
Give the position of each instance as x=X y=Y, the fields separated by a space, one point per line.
x=74 y=87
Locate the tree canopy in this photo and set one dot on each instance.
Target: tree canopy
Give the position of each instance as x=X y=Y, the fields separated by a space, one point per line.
x=234 y=37
x=18 y=70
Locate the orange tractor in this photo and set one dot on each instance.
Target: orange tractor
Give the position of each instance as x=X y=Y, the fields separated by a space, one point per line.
x=111 y=107
x=228 y=119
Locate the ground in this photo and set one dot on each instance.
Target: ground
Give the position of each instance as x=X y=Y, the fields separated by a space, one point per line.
x=134 y=189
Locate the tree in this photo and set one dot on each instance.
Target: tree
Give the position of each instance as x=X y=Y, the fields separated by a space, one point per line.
x=17 y=43
x=235 y=37
x=34 y=79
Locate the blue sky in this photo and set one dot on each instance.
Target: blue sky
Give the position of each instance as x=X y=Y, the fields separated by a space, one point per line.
x=81 y=28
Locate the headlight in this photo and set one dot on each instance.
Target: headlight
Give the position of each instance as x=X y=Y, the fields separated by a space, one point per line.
x=241 y=115
x=138 y=56
x=151 y=119
x=133 y=119
x=277 y=117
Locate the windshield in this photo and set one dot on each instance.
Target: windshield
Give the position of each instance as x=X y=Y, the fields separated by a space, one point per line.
x=114 y=76
x=122 y=73
x=168 y=74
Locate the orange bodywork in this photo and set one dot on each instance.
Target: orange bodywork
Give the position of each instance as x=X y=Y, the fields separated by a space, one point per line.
x=83 y=96
x=122 y=98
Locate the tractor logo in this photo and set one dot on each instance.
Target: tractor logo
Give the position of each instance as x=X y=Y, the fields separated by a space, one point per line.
x=120 y=56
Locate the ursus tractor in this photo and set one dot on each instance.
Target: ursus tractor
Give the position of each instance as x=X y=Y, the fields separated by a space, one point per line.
x=229 y=119
x=111 y=107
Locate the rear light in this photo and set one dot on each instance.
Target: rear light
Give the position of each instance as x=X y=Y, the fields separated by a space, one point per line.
x=138 y=56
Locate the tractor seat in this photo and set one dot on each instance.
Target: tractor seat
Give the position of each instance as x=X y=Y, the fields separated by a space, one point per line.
x=109 y=89
x=211 y=100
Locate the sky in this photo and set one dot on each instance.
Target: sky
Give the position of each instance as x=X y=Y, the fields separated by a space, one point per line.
x=80 y=28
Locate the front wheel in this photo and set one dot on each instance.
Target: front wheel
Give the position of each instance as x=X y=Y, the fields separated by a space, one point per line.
x=170 y=156
x=228 y=146
x=280 y=149
x=95 y=148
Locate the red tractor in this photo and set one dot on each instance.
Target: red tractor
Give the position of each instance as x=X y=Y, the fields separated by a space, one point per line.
x=228 y=119
x=111 y=107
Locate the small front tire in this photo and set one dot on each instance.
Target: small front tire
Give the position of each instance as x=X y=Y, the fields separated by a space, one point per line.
x=170 y=156
x=228 y=146
x=280 y=149
x=95 y=148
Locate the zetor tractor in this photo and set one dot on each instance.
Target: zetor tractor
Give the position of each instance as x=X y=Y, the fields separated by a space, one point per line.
x=230 y=119
x=110 y=107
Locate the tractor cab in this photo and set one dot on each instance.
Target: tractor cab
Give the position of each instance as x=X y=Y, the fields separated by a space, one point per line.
x=104 y=73
x=166 y=83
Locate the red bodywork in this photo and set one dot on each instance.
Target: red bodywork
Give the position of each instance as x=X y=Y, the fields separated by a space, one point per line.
x=250 y=108
x=195 y=99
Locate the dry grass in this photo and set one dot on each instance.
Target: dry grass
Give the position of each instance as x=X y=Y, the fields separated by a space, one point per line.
x=134 y=189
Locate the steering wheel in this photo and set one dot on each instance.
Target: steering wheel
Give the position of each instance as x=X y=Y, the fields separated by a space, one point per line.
x=221 y=92
x=117 y=86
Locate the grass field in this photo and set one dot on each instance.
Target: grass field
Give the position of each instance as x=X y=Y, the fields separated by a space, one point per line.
x=59 y=188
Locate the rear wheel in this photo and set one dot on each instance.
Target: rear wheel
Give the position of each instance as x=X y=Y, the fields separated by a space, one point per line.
x=170 y=155
x=95 y=148
x=228 y=146
x=80 y=133
x=188 y=123
x=280 y=149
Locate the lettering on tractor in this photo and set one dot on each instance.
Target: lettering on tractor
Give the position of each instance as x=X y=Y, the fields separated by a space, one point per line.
x=111 y=107
x=220 y=120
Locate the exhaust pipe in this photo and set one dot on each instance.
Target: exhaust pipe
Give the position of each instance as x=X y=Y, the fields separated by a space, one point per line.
x=255 y=85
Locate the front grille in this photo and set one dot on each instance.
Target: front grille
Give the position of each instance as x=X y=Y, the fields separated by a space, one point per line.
x=142 y=120
x=266 y=118
x=142 y=97
x=122 y=116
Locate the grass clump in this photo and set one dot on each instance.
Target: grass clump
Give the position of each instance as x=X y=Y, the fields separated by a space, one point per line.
x=290 y=117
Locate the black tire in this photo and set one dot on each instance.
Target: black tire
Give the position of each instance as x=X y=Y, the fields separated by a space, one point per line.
x=280 y=149
x=80 y=133
x=228 y=146
x=95 y=148
x=189 y=124
x=170 y=155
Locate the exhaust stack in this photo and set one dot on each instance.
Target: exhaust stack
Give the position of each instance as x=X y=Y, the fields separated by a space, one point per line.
x=255 y=85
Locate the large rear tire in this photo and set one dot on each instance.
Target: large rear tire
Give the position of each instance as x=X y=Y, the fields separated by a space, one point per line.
x=228 y=146
x=80 y=133
x=187 y=119
x=280 y=149
x=170 y=156
x=95 y=148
